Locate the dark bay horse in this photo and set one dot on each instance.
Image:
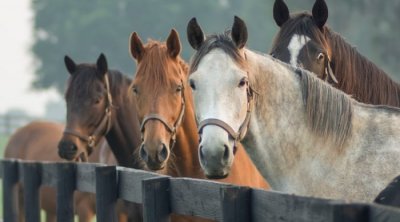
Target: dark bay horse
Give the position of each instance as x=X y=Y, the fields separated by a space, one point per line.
x=165 y=108
x=98 y=105
x=38 y=141
x=304 y=40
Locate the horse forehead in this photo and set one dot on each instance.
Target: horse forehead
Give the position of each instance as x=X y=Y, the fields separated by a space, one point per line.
x=218 y=65
x=297 y=42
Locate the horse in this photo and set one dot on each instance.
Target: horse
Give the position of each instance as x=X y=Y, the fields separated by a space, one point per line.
x=38 y=141
x=98 y=106
x=165 y=109
x=304 y=40
x=304 y=136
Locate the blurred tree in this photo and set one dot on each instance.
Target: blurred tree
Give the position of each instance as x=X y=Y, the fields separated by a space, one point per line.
x=84 y=29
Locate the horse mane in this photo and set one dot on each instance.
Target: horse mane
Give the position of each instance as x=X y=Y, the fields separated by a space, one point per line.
x=217 y=41
x=156 y=63
x=329 y=110
x=81 y=84
x=361 y=78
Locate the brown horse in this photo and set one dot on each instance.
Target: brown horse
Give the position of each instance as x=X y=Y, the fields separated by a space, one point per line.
x=165 y=107
x=98 y=105
x=38 y=141
x=304 y=40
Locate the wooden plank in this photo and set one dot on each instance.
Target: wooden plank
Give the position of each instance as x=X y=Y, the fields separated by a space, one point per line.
x=274 y=206
x=236 y=204
x=156 y=202
x=130 y=183
x=351 y=212
x=379 y=213
x=194 y=197
x=65 y=191
x=32 y=181
x=86 y=177
x=106 y=193
x=49 y=174
x=10 y=190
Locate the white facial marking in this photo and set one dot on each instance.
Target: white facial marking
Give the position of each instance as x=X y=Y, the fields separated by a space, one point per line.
x=296 y=44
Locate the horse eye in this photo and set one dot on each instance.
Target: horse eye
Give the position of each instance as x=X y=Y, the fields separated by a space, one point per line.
x=97 y=101
x=192 y=85
x=320 y=56
x=135 y=90
x=179 y=88
x=242 y=82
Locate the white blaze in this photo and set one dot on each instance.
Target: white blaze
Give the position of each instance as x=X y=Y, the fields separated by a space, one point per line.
x=296 y=44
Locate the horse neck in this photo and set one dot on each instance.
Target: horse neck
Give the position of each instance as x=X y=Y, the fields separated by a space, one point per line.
x=124 y=135
x=360 y=77
x=185 y=160
x=277 y=126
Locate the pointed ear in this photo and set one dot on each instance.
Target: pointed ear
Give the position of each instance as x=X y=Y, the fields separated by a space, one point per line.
x=136 y=47
x=239 y=32
x=194 y=33
x=320 y=13
x=102 y=64
x=173 y=44
x=70 y=64
x=281 y=12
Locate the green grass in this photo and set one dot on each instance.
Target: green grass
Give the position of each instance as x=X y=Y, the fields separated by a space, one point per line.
x=3 y=143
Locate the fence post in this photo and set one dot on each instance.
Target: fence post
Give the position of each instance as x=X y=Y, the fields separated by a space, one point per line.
x=155 y=198
x=10 y=190
x=65 y=191
x=350 y=213
x=235 y=203
x=106 y=193
x=32 y=180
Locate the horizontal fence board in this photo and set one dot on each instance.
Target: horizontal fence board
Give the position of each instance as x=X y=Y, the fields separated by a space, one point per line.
x=274 y=206
x=86 y=177
x=130 y=183
x=49 y=174
x=379 y=213
x=194 y=197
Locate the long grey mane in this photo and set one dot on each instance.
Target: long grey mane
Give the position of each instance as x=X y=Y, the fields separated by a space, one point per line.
x=329 y=110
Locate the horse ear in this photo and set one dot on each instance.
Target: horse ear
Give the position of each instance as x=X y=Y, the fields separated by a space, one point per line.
x=194 y=34
x=320 y=13
x=102 y=64
x=136 y=47
x=239 y=32
x=70 y=64
x=281 y=12
x=173 y=44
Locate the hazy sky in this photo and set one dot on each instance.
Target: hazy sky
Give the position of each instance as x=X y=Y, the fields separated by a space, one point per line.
x=16 y=63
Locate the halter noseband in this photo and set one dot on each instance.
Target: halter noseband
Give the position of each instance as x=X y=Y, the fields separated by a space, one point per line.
x=171 y=129
x=236 y=136
x=104 y=125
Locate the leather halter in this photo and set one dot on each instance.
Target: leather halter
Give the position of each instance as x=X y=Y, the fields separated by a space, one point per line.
x=104 y=125
x=329 y=75
x=172 y=129
x=239 y=135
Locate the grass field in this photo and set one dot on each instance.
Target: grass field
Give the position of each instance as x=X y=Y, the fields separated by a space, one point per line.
x=3 y=143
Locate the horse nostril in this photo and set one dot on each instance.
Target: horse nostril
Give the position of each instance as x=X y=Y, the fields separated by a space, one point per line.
x=226 y=152
x=143 y=154
x=163 y=153
x=201 y=153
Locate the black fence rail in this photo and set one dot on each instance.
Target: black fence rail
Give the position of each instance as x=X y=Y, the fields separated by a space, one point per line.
x=163 y=195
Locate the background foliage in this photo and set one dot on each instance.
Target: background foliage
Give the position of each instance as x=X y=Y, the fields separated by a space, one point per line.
x=83 y=29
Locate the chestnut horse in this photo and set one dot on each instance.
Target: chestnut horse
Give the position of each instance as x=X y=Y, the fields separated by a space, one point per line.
x=304 y=40
x=165 y=108
x=98 y=105
x=38 y=141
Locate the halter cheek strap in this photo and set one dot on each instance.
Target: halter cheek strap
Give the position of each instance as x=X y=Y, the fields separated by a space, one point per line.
x=329 y=75
x=172 y=129
x=236 y=136
x=104 y=125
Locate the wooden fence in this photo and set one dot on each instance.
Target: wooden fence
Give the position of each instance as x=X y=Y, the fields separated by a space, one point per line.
x=163 y=195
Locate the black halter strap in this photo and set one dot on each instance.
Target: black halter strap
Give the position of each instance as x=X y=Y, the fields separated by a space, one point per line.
x=103 y=127
x=172 y=129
